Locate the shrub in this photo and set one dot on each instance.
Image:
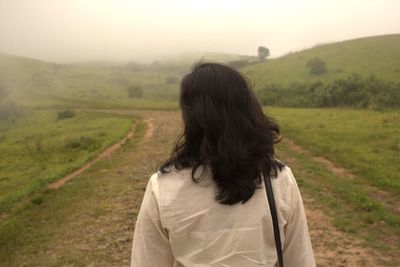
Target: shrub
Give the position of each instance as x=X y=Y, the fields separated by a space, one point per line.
x=65 y=114
x=317 y=66
x=171 y=79
x=354 y=91
x=37 y=200
x=9 y=109
x=82 y=143
x=135 y=91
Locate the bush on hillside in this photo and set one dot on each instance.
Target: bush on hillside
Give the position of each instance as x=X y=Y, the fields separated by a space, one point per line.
x=65 y=114
x=135 y=91
x=3 y=92
x=9 y=109
x=317 y=66
x=171 y=79
x=82 y=143
x=353 y=91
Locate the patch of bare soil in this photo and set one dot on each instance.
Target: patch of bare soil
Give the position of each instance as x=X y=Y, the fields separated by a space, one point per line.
x=326 y=162
x=150 y=130
x=335 y=248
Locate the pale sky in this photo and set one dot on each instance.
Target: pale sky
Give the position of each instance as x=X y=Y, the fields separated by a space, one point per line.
x=82 y=30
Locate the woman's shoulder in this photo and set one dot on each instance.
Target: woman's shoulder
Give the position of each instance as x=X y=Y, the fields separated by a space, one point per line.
x=177 y=178
x=285 y=175
x=285 y=184
x=172 y=173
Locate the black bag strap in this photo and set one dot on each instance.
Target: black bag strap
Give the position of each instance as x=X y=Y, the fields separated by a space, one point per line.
x=272 y=207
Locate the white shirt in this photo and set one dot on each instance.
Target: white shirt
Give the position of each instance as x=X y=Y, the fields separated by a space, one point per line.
x=181 y=224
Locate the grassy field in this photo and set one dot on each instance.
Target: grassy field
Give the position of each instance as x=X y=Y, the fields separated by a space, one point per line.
x=38 y=148
x=377 y=56
x=90 y=220
x=364 y=141
x=363 y=197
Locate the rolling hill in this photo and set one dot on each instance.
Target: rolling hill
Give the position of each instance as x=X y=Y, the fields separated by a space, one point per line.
x=39 y=84
x=378 y=55
x=34 y=83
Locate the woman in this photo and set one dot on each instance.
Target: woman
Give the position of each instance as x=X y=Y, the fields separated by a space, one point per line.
x=207 y=205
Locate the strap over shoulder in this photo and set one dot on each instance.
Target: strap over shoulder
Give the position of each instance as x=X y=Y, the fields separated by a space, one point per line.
x=272 y=207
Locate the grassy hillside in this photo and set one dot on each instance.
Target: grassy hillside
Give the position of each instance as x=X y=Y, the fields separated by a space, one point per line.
x=379 y=56
x=34 y=83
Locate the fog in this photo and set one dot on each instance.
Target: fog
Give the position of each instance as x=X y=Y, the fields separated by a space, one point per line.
x=122 y=30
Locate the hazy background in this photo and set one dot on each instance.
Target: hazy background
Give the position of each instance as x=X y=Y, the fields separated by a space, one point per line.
x=83 y=30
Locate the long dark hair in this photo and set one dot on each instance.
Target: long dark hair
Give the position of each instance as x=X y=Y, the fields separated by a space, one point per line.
x=226 y=130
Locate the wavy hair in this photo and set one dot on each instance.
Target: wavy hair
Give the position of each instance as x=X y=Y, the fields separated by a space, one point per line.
x=226 y=130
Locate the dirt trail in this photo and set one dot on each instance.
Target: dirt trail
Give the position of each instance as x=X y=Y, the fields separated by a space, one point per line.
x=388 y=200
x=150 y=129
x=105 y=154
x=331 y=246
x=326 y=162
x=335 y=248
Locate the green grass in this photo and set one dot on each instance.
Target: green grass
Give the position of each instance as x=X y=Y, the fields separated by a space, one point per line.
x=37 y=148
x=350 y=207
x=366 y=142
x=90 y=220
x=377 y=56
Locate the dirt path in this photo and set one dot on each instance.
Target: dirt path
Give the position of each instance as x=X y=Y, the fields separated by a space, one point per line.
x=105 y=154
x=331 y=246
x=150 y=129
x=326 y=162
x=390 y=201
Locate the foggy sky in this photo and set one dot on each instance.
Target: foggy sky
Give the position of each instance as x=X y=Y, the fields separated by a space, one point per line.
x=82 y=30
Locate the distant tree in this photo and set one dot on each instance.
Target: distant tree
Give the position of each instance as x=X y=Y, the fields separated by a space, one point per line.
x=135 y=66
x=263 y=53
x=65 y=114
x=7 y=108
x=56 y=68
x=3 y=92
x=135 y=91
x=171 y=79
x=317 y=66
